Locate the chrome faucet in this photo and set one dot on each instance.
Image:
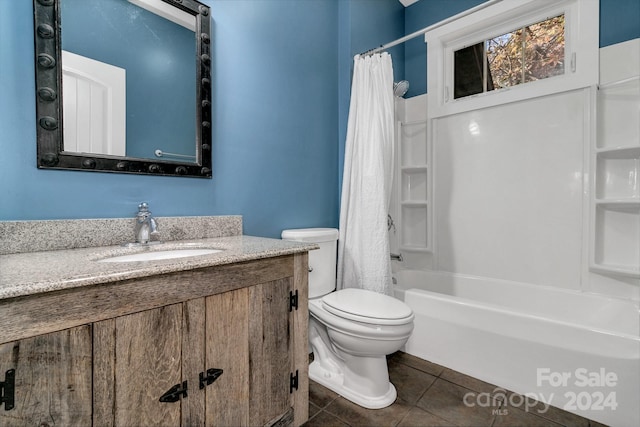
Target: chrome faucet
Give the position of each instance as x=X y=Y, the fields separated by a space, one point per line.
x=145 y=225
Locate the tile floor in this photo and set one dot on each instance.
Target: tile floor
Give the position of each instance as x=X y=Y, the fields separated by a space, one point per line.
x=430 y=395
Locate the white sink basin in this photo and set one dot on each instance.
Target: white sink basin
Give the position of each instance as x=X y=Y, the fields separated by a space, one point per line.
x=160 y=255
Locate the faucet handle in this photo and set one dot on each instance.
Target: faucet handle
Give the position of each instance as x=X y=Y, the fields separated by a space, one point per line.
x=143 y=207
x=153 y=226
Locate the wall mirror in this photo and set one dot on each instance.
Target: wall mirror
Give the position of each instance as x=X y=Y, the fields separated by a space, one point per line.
x=124 y=86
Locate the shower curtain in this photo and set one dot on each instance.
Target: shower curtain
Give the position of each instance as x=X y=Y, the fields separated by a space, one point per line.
x=363 y=246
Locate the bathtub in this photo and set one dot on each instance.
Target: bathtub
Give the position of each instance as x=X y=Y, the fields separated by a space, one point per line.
x=575 y=351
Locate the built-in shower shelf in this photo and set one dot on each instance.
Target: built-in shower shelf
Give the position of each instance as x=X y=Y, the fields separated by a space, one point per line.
x=418 y=168
x=414 y=122
x=615 y=224
x=413 y=144
x=415 y=229
x=415 y=192
x=619 y=203
x=622 y=152
x=631 y=81
x=413 y=248
x=616 y=239
x=618 y=117
x=619 y=270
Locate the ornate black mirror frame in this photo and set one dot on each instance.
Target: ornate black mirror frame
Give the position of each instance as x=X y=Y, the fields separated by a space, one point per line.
x=51 y=154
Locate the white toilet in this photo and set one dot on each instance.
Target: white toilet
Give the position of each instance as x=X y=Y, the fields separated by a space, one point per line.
x=351 y=330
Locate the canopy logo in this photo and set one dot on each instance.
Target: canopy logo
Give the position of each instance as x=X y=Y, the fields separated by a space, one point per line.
x=580 y=389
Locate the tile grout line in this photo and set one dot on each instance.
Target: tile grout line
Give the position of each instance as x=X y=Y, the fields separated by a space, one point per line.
x=415 y=405
x=452 y=380
x=336 y=415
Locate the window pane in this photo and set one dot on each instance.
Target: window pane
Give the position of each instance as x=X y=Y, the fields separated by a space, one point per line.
x=468 y=71
x=504 y=55
x=528 y=54
x=544 y=51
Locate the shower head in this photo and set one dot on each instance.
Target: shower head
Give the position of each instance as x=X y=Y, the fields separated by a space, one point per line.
x=400 y=88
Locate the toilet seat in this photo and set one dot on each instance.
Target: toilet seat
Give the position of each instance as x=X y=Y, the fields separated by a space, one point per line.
x=367 y=307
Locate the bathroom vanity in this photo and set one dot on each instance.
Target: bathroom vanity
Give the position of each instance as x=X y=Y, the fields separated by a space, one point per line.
x=217 y=339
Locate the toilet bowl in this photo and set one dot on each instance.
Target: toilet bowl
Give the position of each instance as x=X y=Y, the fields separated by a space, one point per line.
x=351 y=330
x=350 y=349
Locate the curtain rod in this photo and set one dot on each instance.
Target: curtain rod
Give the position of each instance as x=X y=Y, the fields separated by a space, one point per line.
x=431 y=27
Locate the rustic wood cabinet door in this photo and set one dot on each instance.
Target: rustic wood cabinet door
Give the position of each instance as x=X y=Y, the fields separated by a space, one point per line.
x=249 y=337
x=270 y=344
x=227 y=348
x=52 y=379
x=138 y=357
x=246 y=333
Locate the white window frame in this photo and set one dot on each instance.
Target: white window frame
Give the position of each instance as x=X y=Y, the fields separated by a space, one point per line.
x=581 y=51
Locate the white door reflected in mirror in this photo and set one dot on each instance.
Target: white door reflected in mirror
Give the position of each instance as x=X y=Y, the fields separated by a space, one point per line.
x=94 y=106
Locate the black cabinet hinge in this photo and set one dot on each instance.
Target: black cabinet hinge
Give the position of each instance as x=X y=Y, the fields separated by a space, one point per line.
x=7 y=390
x=293 y=300
x=211 y=375
x=174 y=393
x=293 y=382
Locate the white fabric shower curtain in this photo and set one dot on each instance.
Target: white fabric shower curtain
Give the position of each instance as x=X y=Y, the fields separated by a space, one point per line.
x=363 y=246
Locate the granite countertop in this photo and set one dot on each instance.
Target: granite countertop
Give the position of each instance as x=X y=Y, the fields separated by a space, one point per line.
x=31 y=273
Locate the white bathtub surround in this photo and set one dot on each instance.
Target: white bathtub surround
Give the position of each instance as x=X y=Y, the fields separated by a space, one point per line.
x=615 y=181
x=508 y=190
x=533 y=234
x=363 y=248
x=572 y=350
x=543 y=191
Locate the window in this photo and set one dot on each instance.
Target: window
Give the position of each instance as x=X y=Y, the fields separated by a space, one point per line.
x=512 y=50
x=530 y=53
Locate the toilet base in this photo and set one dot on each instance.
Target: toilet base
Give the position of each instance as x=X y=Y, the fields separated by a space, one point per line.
x=335 y=381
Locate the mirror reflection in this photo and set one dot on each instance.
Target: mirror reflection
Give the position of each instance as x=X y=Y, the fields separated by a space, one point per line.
x=125 y=93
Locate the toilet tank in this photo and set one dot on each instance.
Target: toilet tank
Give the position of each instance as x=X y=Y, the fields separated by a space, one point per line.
x=322 y=262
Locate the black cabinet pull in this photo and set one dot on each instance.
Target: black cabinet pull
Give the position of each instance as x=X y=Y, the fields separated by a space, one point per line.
x=212 y=375
x=174 y=393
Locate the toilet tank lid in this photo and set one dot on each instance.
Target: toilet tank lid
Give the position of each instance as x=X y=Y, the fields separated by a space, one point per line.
x=314 y=235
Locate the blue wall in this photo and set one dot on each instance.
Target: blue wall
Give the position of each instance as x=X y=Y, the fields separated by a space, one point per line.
x=282 y=78
x=619 y=21
x=364 y=25
x=418 y=16
x=275 y=132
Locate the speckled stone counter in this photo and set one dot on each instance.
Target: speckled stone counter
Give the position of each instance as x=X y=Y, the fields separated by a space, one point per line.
x=31 y=273
x=49 y=235
x=36 y=272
